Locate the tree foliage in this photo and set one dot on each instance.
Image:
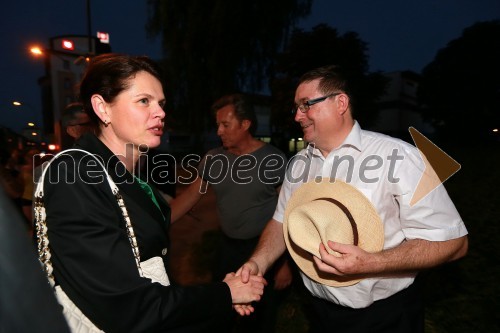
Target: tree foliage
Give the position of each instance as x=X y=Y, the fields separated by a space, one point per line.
x=219 y=46
x=321 y=46
x=460 y=89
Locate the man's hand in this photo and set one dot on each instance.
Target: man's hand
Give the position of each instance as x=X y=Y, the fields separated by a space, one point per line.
x=270 y=247
x=249 y=268
x=245 y=272
x=349 y=260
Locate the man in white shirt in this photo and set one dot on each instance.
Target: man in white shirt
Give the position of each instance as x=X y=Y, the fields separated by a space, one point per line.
x=386 y=170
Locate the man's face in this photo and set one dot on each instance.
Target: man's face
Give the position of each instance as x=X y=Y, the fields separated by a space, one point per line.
x=231 y=130
x=319 y=121
x=80 y=125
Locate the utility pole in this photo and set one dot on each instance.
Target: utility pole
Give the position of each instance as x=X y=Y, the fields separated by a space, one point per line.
x=89 y=26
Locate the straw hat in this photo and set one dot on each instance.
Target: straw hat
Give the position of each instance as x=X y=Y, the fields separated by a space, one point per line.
x=333 y=210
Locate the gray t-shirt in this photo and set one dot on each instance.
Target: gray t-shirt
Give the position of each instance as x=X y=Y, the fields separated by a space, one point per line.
x=245 y=187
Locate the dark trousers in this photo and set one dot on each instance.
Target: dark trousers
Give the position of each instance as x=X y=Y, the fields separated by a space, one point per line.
x=231 y=254
x=402 y=312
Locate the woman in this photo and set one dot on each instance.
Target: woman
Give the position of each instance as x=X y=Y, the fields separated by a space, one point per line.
x=91 y=253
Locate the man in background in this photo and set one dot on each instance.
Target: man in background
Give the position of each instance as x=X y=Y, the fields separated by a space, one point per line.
x=74 y=122
x=246 y=174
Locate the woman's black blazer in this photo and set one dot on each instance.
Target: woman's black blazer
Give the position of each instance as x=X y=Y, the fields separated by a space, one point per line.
x=92 y=256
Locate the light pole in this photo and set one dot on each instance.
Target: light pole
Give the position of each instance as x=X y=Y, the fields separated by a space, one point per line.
x=65 y=61
x=89 y=26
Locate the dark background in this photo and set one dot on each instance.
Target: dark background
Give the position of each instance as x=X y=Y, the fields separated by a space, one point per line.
x=401 y=35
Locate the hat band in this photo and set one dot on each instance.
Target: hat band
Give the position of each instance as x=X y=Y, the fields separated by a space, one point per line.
x=349 y=217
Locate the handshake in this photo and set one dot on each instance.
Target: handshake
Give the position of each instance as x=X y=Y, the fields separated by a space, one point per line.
x=245 y=288
x=247 y=285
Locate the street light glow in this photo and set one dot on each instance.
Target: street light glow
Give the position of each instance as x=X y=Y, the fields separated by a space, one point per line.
x=32 y=121
x=36 y=50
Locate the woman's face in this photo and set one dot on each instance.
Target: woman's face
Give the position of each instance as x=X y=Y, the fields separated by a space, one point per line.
x=136 y=116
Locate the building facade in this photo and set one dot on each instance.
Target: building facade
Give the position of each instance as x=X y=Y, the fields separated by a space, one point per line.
x=65 y=62
x=399 y=107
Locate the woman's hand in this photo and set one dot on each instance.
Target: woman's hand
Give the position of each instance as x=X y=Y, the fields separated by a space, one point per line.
x=245 y=292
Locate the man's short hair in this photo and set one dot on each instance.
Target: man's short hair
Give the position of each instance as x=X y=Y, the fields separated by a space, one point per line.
x=243 y=108
x=69 y=114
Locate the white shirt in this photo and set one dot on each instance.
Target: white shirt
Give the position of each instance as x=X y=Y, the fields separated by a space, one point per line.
x=386 y=170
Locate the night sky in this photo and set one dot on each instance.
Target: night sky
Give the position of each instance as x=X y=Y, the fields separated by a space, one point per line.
x=401 y=35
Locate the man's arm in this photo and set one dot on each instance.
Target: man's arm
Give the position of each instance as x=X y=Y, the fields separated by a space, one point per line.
x=410 y=256
x=184 y=202
x=270 y=247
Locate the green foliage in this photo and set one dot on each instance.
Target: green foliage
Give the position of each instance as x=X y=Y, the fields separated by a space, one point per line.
x=323 y=46
x=462 y=296
x=215 y=47
x=462 y=84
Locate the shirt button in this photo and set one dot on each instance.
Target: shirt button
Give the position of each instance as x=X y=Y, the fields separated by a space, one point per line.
x=164 y=251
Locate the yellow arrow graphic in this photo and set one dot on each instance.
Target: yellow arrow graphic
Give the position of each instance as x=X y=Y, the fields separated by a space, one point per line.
x=439 y=166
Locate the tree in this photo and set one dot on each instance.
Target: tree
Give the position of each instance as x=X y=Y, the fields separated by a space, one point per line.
x=460 y=89
x=215 y=47
x=311 y=49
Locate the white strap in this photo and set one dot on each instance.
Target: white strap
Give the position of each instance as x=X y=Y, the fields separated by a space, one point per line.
x=41 y=225
x=39 y=188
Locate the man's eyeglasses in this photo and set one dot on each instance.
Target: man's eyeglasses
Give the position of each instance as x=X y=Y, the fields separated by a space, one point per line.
x=88 y=123
x=304 y=107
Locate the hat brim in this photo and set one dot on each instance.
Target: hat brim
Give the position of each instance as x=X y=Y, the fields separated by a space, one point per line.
x=369 y=224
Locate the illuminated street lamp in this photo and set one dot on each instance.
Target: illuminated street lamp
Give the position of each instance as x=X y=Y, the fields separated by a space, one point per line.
x=32 y=123
x=36 y=50
x=66 y=49
x=32 y=111
x=65 y=60
x=31 y=131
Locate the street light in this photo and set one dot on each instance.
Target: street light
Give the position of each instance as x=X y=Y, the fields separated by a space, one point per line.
x=66 y=58
x=31 y=130
x=36 y=50
x=32 y=111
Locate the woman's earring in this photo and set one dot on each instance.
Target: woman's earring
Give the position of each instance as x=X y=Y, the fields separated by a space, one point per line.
x=106 y=123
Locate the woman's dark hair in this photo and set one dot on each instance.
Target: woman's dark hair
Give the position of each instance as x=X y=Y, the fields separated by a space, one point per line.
x=109 y=74
x=243 y=108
